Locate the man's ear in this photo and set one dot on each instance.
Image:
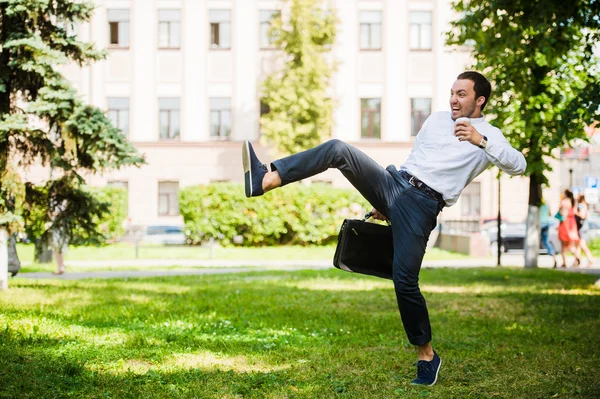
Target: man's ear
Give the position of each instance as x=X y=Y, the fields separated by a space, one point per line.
x=480 y=101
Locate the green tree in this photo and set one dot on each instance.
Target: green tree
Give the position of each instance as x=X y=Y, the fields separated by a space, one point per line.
x=42 y=120
x=300 y=109
x=539 y=54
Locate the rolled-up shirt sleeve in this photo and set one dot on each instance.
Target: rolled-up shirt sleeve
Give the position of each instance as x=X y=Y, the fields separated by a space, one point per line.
x=499 y=151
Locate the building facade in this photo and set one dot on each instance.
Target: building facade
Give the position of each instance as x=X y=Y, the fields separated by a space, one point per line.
x=182 y=81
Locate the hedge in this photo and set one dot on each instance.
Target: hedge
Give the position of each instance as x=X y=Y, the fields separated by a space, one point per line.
x=297 y=214
x=111 y=224
x=594 y=245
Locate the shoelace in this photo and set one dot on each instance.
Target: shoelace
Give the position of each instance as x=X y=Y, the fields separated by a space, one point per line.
x=422 y=367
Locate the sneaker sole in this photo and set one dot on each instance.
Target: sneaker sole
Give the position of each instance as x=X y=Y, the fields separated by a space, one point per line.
x=436 y=373
x=247 y=169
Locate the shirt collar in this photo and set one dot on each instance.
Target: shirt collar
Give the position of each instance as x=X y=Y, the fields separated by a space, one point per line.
x=478 y=120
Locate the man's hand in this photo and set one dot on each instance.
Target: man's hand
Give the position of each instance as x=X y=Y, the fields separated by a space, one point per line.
x=375 y=214
x=464 y=131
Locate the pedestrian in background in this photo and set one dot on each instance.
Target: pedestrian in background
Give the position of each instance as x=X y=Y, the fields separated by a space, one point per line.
x=567 y=229
x=581 y=214
x=545 y=224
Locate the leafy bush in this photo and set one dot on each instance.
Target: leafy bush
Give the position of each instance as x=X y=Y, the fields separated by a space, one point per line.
x=594 y=245
x=298 y=214
x=106 y=222
x=106 y=206
x=111 y=224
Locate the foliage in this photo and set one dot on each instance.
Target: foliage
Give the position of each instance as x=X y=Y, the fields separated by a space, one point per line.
x=540 y=56
x=299 y=214
x=42 y=119
x=300 y=109
x=594 y=245
x=35 y=213
x=111 y=224
x=108 y=206
x=502 y=333
x=12 y=196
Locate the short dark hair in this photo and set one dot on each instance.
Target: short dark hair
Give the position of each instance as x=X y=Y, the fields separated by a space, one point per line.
x=481 y=85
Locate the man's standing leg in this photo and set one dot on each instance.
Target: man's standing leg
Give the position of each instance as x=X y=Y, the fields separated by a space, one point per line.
x=413 y=216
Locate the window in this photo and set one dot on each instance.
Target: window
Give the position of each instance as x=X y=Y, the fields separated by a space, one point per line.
x=169 y=118
x=370 y=29
x=420 y=30
x=370 y=116
x=118 y=184
x=118 y=113
x=168 y=28
x=118 y=28
x=168 y=205
x=470 y=200
x=220 y=28
x=266 y=18
x=220 y=118
x=420 y=109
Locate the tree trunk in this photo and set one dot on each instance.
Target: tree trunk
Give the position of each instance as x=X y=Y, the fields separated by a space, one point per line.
x=532 y=237
x=3 y=259
x=4 y=152
x=532 y=231
x=14 y=264
x=43 y=251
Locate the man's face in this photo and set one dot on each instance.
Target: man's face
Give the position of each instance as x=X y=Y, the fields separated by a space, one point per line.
x=462 y=100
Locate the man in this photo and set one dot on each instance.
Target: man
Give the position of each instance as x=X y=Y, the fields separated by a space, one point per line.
x=447 y=155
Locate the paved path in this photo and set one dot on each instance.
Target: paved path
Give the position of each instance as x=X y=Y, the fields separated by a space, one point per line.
x=201 y=267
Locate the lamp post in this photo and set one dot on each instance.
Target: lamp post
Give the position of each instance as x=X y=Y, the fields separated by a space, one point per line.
x=3 y=258
x=570 y=178
x=499 y=222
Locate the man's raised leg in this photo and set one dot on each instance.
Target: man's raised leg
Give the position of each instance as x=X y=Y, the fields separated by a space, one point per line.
x=366 y=175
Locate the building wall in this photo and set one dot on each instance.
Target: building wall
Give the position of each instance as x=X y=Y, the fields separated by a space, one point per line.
x=194 y=73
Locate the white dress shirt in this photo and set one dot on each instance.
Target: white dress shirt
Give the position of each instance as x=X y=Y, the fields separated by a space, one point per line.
x=447 y=165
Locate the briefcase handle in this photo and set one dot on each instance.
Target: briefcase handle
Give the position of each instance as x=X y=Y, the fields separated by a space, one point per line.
x=370 y=214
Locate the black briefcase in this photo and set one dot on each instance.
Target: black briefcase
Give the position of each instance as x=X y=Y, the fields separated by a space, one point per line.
x=365 y=248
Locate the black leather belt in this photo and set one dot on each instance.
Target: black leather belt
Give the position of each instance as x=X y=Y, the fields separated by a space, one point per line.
x=418 y=184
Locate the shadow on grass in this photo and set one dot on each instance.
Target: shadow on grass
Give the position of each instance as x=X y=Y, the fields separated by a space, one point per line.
x=28 y=374
x=305 y=334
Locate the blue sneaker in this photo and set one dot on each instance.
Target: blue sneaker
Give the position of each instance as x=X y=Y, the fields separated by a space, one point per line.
x=427 y=372
x=254 y=171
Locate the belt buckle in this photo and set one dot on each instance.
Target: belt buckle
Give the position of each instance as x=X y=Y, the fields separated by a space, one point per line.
x=412 y=181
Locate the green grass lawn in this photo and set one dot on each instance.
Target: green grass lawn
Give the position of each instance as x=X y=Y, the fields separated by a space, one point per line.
x=127 y=252
x=502 y=333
